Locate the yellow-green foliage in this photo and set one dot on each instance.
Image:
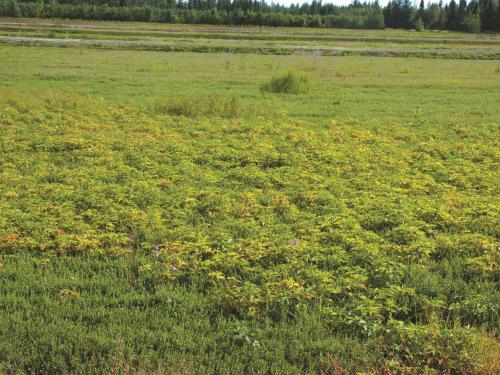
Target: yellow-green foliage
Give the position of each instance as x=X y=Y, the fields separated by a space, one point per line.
x=389 y=232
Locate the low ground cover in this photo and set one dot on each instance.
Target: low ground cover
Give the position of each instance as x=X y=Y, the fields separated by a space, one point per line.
x=152 y=223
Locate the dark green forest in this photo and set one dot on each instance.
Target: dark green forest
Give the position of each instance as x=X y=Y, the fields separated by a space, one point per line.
x=473 y=16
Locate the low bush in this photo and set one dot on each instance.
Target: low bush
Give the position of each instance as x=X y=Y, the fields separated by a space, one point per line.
x=291 y=83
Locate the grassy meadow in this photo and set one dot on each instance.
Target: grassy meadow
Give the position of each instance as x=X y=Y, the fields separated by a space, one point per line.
x=167 y=213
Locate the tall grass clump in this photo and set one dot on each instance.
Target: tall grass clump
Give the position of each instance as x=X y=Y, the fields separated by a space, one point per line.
x=209 y=106
x=291 y=83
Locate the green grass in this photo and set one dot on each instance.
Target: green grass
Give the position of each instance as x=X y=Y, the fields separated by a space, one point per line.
x=124 y=322
x=371 y=90
x=159 y=214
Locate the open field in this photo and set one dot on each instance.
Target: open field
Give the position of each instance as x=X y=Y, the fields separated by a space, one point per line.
x=160 y=214
x=188 y=38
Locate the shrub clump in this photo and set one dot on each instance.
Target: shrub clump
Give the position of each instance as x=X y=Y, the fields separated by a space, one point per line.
x=290 y=83
x=419 y=25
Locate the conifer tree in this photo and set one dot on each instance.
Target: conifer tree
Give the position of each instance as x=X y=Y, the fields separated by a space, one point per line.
x=487 y=15
x=461 y=12
x=498 y=16
x=451 y=15
x=421 y=9
x=11 y=9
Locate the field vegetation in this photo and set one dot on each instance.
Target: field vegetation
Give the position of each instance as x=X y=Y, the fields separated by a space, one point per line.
x=161 y=214
x=282 y=41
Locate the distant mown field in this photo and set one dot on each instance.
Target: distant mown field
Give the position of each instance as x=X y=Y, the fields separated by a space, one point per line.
x=254 y=40
x=161 y=214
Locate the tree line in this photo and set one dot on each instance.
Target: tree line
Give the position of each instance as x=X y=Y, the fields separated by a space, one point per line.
x=472 y=16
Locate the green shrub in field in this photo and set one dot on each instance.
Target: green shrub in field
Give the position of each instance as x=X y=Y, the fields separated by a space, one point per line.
x=290 y=83
x=419 y=25
x=208 y=106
